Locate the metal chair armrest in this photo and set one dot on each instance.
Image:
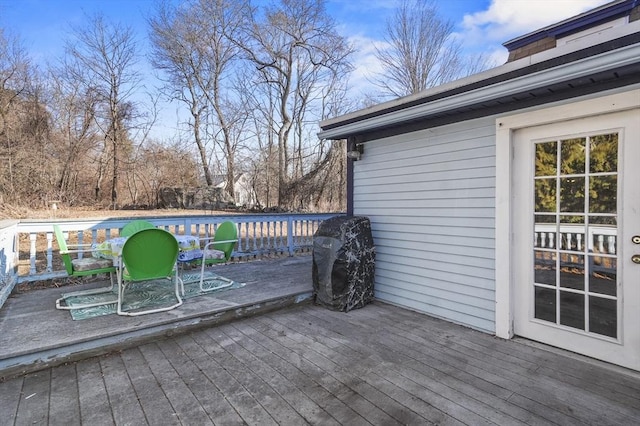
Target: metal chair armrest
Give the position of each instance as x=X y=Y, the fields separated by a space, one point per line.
x=78 y=245
x=212 y=243
x=74 y=251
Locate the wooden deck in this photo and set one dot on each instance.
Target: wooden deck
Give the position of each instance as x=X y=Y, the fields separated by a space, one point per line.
x=304 y=364
x=33 y=334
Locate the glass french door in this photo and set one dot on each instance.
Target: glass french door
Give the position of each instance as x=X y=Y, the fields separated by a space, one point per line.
x=576 y=212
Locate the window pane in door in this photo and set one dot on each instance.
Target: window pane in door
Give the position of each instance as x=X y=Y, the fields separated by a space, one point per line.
x=603 y=275
x=572 y=271
x=546 y=158
x=603 y=194
x=572 y=194
x=545 y=304
x=604 y=220
x=573 y=156
x=603 y=153
x=572 y=309
x=545 y=197
x=603 y=316
x=544 y=269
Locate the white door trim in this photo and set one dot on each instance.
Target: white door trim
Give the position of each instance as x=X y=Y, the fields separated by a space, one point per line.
x=505 y=127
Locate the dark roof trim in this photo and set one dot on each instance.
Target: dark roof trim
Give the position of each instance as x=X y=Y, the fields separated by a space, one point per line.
x=571 y=89
x=582 y=22
x=607 y=46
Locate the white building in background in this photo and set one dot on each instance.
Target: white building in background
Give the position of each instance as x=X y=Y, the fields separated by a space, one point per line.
x=244 y=194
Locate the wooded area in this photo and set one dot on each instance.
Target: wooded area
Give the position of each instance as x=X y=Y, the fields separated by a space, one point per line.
x=254 y=80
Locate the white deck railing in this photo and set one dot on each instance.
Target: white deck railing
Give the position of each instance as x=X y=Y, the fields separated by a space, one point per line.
x=27 y=249
x=600 y=239
x=569 y=240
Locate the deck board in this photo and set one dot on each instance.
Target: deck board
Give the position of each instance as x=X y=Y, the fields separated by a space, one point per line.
x=444 y=390
x=126 y=408
x=369 y=401
x=379 y=365
x=279 y=358
x=306 y=407
x=154 y=402
x=265 y=392
x=182 y=400
x=592 y=403
x=206 y=392
x=395 y=377
x=34 y=404
x=527 y=382
x=64 y=403
x=10 y=397
x=207 y=359
x=93 y=397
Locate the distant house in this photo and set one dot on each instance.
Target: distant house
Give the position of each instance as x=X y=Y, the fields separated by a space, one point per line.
x=509 y=201
x=242 y=188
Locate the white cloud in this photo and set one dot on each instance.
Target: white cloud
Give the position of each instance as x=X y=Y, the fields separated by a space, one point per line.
x=506 y=19
x=365 y=63
x=479 y=32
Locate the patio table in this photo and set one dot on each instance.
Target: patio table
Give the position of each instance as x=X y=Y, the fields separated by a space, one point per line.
x=109 y=249
x=189 y=246
x=112 y=248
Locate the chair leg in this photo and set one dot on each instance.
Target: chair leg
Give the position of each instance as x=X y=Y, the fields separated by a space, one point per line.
x=121 y=288
x=177 y=285
x=228 y=282
x=86 y=293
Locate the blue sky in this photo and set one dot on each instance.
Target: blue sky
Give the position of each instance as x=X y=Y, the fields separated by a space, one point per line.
x=480 y=25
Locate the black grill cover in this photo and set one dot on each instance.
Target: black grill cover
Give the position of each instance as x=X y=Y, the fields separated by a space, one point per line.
x=343 y=263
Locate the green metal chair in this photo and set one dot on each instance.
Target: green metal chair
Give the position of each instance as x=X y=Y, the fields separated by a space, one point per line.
x=84 y=266
x=219 y=250
x=135 y=226
x=148 y=255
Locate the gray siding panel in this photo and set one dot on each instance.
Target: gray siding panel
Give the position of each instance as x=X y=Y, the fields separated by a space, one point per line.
x=430 y=196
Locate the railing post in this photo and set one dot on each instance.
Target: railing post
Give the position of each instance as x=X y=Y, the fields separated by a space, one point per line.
x=49 y=252
x=290 y=235
x=32 y=252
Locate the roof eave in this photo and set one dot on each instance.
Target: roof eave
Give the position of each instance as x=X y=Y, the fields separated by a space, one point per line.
x=394 y=112
x=585 y=20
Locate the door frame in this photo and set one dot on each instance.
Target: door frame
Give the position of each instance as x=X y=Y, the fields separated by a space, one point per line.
x=603 y=103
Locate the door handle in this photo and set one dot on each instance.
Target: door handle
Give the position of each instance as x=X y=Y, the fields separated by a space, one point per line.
x=635 y=258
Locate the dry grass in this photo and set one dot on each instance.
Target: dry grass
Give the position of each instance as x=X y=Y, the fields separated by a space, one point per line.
x=12 y=212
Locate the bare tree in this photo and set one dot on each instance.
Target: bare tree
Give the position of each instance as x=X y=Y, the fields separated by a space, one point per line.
x=15 y=75
x=73 y=110
x=421 y=51
x=173 y=37
x=222 y=21
x=193 y=45
x=103 y=57
x=295 y=49
x=260 y=159
x=156 y=167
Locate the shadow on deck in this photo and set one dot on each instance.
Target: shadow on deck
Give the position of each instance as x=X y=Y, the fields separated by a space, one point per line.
x=35 y=335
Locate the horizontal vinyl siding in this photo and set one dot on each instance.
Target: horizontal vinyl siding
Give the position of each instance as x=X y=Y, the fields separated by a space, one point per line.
x=430 y=196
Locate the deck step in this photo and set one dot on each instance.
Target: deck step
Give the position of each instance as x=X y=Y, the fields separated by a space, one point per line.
x=35 y=335
x=100 y=345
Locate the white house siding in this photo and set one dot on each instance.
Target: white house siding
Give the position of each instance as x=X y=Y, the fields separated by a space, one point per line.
x=430 y=196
